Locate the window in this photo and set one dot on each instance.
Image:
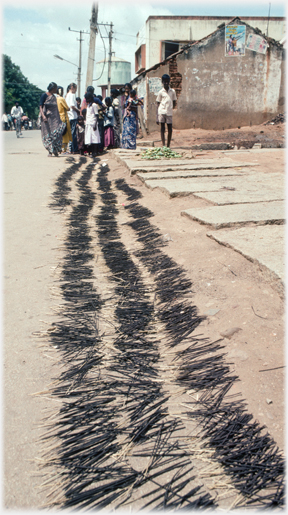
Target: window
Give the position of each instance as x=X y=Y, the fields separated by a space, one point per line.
x=140 y=59
x=170 y=48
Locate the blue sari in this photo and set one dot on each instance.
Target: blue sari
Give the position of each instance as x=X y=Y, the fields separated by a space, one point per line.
x=129 y=130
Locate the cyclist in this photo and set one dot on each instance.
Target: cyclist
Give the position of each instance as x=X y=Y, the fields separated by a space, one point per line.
x=17 y=113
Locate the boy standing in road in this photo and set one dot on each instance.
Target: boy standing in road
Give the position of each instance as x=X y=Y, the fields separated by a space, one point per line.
x=166 y=102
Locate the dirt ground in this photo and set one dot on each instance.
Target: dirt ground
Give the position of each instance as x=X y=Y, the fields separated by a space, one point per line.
x=224 y=280
x=270 y=136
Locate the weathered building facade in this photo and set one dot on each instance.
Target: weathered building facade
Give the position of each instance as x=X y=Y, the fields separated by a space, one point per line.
x=216 y=90
x=162 y=36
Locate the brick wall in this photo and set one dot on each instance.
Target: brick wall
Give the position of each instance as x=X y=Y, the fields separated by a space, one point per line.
x=175 y=77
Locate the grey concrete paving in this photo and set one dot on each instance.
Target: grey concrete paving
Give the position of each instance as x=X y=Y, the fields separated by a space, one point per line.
x=235 y=215
x=251 y=150
x=142 y=165
x=129 y=158
x=221 y=198
x=264 y=245
x=127 y=152
x=254 y=198
x=253 y=183
x=219 y=172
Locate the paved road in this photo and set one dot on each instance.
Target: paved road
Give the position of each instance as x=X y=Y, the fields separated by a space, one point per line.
x=30 y=235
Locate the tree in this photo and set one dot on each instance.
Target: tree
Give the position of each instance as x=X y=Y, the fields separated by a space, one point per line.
x=17 y=87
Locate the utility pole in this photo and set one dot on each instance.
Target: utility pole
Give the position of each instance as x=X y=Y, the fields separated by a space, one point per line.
x=92 y=45
x=79 y=67
x=110 y=59
x=268 y=19
x=109 y=54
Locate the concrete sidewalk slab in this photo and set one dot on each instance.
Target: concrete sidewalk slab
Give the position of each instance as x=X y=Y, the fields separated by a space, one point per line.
x=264 y=245
x=252 y=150
x=188 y=166
x=180 y=161
x=143 y=165
x=127 y=152
x=221 y=198
x=176 y=174
x=253 y=183
x=184 y=187
x=238 y=214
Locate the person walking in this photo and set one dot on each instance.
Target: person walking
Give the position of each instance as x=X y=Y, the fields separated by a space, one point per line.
x=52 y=126
x=73 y=115
x=17 y=113
x=63 y=112
x=166 y=102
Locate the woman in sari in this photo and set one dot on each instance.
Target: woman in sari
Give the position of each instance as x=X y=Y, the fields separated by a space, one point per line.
x=129 y=130
x=130 y=120
x=52 y=126
x=63 y=110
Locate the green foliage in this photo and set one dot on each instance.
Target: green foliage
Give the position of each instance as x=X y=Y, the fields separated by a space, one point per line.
x=159 y=153
x=17 y=87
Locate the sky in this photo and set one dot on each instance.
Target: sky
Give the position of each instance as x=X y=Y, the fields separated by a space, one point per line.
x=32 y=33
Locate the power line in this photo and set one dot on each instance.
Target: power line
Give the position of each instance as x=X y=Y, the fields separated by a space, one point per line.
x=104 y=55
x=149 y=39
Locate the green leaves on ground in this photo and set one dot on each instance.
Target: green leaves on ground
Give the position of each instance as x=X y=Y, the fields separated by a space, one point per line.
x=159 y=153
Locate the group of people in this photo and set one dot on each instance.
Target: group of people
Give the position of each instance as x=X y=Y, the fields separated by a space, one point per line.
x=93 y=126
x=90 y=127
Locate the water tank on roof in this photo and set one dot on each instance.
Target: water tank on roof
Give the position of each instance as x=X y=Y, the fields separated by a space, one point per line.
x=120 y=72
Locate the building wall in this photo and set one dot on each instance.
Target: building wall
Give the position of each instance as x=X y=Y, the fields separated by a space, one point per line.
x=180 y=28
x=218 y=92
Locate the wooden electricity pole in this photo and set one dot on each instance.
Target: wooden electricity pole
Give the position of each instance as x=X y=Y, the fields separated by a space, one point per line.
x=92 y=45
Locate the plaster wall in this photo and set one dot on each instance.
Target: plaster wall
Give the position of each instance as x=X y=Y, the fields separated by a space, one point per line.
x=158 y=30
x=219 y=92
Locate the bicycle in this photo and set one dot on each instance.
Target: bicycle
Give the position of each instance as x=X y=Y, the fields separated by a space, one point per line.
x=18 y=127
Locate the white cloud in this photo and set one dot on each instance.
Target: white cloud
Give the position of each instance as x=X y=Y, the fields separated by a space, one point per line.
x=33 y=33
x=32 y=45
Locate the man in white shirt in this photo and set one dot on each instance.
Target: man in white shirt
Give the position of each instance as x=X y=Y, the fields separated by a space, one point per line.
x=17 y=113
x=166 y=102
x=73 y=115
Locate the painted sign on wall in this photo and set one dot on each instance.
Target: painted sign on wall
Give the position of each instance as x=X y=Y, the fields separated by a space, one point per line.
x=235 y=40
x=155 y=84
x=256 y=43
